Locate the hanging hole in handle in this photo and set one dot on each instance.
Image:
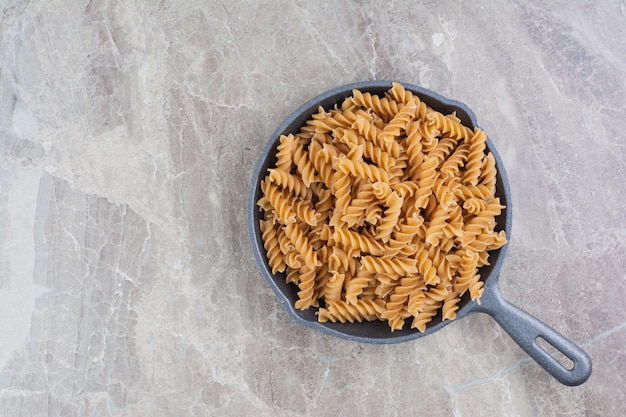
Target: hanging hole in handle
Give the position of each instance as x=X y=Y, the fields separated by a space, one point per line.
x=562 y=359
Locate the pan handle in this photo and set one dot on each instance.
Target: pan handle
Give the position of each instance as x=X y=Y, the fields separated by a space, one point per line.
x=525 y=329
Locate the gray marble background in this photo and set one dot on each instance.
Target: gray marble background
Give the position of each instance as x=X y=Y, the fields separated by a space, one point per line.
x=128 y=133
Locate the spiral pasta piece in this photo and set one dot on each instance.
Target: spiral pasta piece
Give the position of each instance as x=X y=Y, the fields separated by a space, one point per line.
x=321 y=155
x=314 y=234
x=426 y=181
x=322 y=275
x=302 y=245
x=427 y=306
x=399 y=93
x=425 y=266
x=355 y=153
x=425 y=316
x=483 y=220
x=436 y=226
x=341 y=311
x=475 y=157
x=279 y=204
x=444 y=194
x=381 y=190
x=396 y=306
x=323 y=122
x=437 y=255
x=437 y=293
x=306 y=295
x=402 y=95
x=483 y=259
x=414 y=148
x=454 y=225
x=467 y=267
x=355 y=212
x=487 y=175
x=499 y=240
x=334 y=286
x=290 y=182
x=450 y=306
x=347 y=117
x=449 y=125
x=481 y=243
x=304 y=165
x=293 y=276
x=362 y=169
x=275 y=256
x=474 y=205
x=355 y=240
x=293 y=259
x=338 y=260
x=476 y=288
x=284 y=243
x=417 y=298
x=265 y=205
x=430 y=135
x=397 y=267
x=385 y=286
x=382 y=106
x=467 y=191
x=303 y=209
x=396 y=172
x=321 y=113
x=368 y=130
x=395 y=128
x=357 y=284
x=451 y=166
x=378 y=155
x=400 y=120
x=284 y=155
x=406 y=189
x=371 y=150
x=324 y=204
x=402 y=237
x=341 y=187
x=444 y=148
x=390 y=218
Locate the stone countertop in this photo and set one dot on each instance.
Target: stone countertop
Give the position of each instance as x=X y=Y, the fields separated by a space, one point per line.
x=128 y=134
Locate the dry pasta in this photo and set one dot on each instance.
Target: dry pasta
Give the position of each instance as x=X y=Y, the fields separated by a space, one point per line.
x=382 y=209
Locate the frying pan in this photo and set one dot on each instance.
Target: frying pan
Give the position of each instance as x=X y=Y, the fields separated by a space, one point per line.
x=525 y=329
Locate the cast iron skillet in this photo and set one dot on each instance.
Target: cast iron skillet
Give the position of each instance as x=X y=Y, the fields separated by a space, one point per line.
x=521 y=326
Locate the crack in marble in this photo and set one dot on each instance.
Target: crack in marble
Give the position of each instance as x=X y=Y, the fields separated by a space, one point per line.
x=272 y=394
x=317 y=396
x=227 y=24
x=371 y=33
x=604 y=334
x=453 y=389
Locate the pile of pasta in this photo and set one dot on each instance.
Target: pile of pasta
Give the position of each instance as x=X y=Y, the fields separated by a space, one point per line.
x=381 y=208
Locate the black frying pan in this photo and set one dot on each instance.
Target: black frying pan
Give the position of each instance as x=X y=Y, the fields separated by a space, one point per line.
x=521 y=326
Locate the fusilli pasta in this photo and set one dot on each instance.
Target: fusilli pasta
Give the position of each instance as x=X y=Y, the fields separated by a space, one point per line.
x=382 y=208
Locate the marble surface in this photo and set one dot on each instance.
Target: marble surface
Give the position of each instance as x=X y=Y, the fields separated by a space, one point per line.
x=128 y=133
